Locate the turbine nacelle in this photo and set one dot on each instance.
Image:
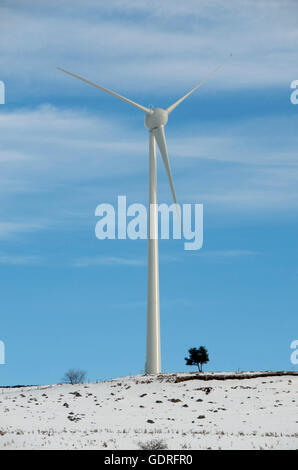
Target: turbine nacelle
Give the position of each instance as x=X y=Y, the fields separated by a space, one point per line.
x=157 y=117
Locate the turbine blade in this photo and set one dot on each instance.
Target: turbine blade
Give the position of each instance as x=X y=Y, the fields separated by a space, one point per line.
x=139 y=106
x=160 y=138
x=174 y=105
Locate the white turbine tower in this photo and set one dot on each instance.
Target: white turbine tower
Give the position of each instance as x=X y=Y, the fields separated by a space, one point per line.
x=155 y=120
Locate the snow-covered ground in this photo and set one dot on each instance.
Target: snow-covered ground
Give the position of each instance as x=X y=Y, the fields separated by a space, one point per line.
x=255 y=413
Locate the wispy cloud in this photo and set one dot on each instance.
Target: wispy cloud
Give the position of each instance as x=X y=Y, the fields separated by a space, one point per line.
x=17 y=260
x=228 y=253
x=12 y=229
x=182 y=42
x=85 y=262
x=108 y=261
x=151 y=50
x=62 y=148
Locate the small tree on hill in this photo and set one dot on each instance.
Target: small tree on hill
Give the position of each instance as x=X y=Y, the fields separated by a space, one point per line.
x=197 y=357
x=74 y=376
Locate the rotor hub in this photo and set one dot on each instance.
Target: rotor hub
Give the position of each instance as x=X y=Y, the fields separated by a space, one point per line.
x=157 y=118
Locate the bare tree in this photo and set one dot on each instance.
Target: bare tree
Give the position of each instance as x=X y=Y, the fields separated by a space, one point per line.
x=74 y=376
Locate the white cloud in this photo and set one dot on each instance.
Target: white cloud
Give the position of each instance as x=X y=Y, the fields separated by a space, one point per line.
x=222 y=254
x=108 y=261
x=246 y=190
x=169 y=47
x=19 y=260
x=85 y=262
x=118 y=261
x=161 y=48
x=59 y=152
x=11 y=229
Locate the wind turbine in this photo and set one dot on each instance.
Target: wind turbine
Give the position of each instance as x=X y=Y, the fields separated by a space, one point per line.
x=155 y=120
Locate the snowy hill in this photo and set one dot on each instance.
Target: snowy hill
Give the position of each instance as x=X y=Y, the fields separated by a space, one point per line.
x=247 y=413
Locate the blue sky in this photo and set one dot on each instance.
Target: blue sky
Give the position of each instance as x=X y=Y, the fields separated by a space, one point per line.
x=66 y=147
